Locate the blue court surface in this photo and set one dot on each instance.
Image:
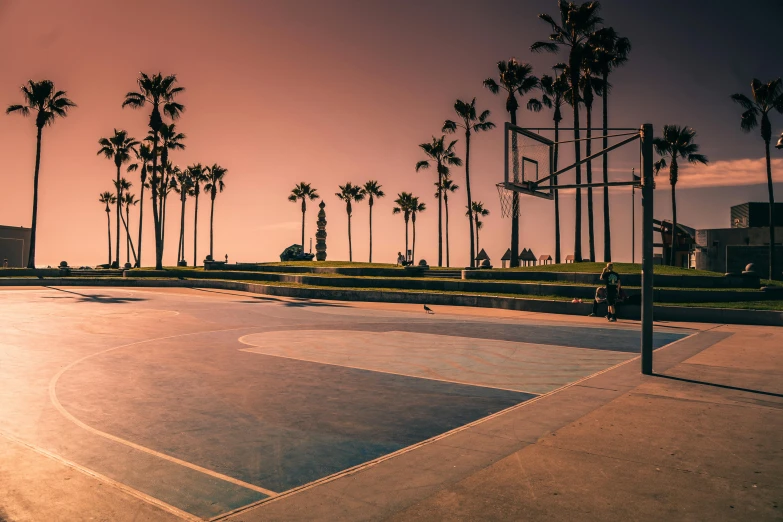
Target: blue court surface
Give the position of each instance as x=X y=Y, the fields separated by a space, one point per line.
x=212 y=400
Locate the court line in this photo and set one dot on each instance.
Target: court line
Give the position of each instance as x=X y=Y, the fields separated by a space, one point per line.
x=56 y=403
x=383 y=458
x=103 y=478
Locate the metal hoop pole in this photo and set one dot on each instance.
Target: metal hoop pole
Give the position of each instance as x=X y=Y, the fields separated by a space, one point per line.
x=647 y=249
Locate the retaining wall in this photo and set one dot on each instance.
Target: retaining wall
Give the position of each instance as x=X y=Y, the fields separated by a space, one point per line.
x=661 y=313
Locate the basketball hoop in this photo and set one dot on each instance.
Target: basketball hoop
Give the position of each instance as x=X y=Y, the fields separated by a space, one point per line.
x=506 y=201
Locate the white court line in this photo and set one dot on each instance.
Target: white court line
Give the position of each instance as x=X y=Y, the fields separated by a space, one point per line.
x=120 y=486
x=55 y=401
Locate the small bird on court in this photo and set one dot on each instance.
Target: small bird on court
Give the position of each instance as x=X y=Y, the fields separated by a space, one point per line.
x=428 y=309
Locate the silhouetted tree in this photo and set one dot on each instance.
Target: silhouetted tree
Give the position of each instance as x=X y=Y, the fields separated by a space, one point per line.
x=108 y=199
x=404 y=203
x=372 y=190
x=184 y=188
x=48 y=105
x=470 y=121
x=119 y=148
x=416 y=207
x=475 y=213
x=215 y=184
x=443 y=156
x=766 y=98
x=447 y=185
x=129 y=200
x=514 y=78
x=676 y=142
x=143 y=164
x=198 y=176
x=577 y=23
x=611 y=51
x=349 y=193
x=303 y=191
x=553 y=91
x=157 y=90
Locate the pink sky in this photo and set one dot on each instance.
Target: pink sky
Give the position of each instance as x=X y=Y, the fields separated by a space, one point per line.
x=324 y=92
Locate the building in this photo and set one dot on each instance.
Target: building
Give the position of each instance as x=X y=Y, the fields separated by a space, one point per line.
x=747 y=241
x=751 y=215
x=14 y=246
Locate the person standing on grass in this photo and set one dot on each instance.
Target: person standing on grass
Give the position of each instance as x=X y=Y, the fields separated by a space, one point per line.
x=612 y=281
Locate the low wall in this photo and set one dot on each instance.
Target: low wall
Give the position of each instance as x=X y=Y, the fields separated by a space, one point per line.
x=661 y=280
x=664 y=295
x=661 y=313
x=315 y=269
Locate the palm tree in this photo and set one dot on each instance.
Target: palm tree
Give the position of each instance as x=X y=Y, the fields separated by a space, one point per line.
x=475 y=213
x=514 y=78
x=348 y=193
x=404 y=204
x=553 y=91
x=122 y=186
x=416 y=207
x=129 y=200
x=48 y=104
x=108 y=199
x=372 y=190
x=303 y=191
x=443 y=156
x=469 y=121
x=611 y=51
x=676 y=142
x=590 y=85
x=171 y=140
x=766 y=98
x=167 y=185
x=444 y=188
x=198 y=177
x=184 y=188
x=118 y=148
x=144 y=158
x=577 y=23
x=215 y=184
x=156 y=90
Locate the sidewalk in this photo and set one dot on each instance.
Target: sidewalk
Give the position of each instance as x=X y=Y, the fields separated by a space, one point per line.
x=702 y=440
x=670 y=449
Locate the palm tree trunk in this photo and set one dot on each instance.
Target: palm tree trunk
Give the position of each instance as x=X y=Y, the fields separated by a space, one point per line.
x=181 y=253
x=605 y=161
x=470 y=201
x=477 y=235
x=163 y=218
x=588 y=151
x=304 y=210
x=350 y=247
x=119 y=215
x=413 y=247
x=406 y=239
x=211 y=220
x=578 y=157
x=141 y=221
x=773 y=275
x=440 y=219
x=446 y=204
x=557 y=194
x=127 y=234
x=34 y=225
x=370 y=229
x=514 y=198
x=195 y=232
x=155 y=197
x=674 y=226
x=108 y=223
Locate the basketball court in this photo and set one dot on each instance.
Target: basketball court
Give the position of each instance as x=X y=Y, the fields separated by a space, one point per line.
x=204 y=402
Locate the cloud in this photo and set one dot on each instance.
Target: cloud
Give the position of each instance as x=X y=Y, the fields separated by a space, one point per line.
x=727 y=173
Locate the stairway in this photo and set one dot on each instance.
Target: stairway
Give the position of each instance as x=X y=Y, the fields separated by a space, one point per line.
x=444 y=274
